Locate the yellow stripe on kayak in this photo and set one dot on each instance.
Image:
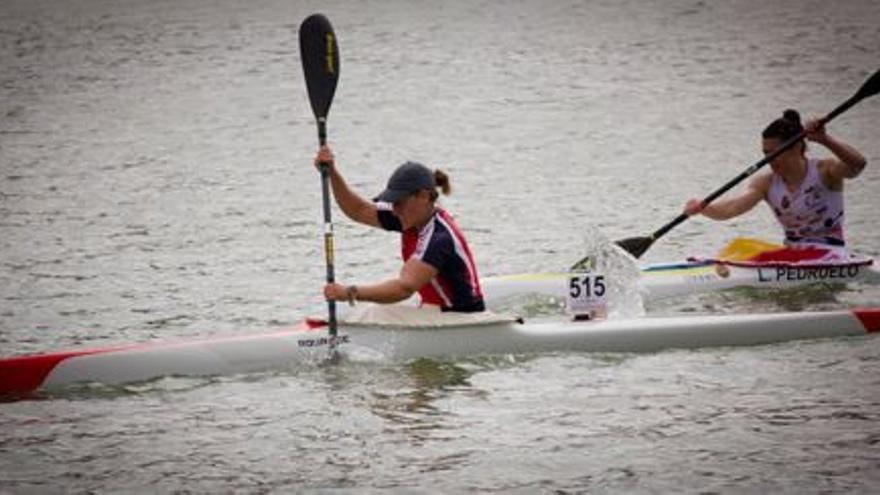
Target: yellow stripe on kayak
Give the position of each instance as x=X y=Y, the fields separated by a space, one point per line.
x=685 y=270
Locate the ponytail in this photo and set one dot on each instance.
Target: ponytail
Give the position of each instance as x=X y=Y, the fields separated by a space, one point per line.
x=442 y=181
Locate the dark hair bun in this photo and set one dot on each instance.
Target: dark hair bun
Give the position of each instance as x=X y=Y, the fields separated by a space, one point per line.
x=785 y=127
x=792 y=116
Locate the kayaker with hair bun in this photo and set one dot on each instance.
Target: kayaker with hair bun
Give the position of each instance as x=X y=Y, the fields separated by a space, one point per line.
x=805 y=193
x=438 y=264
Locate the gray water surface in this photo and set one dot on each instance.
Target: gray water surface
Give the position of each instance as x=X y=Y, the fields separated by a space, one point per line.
x=156 y=182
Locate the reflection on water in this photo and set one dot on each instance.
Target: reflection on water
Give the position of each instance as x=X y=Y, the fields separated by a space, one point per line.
x=412 y=407
x=817 y=297
x=429 y=374
x=809 y=298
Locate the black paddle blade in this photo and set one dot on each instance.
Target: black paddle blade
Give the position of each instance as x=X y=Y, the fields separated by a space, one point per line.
x=870 y=88
x=320 y=58
x=636 y=246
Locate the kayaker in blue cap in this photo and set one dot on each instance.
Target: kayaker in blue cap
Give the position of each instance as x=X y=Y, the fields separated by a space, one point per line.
x=438 y=264
x=805 y=193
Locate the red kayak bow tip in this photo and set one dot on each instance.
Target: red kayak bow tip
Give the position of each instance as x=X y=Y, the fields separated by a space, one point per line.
x=870 y=318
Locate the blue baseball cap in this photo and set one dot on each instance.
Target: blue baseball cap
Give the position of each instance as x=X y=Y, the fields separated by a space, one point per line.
x=409 y=178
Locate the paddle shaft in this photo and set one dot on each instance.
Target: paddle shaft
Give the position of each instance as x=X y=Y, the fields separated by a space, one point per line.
x=328 y=227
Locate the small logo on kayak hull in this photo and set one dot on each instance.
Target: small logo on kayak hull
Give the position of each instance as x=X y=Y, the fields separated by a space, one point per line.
x=323 y=341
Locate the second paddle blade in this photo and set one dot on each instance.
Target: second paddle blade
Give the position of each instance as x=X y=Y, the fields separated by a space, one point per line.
x=636 y=246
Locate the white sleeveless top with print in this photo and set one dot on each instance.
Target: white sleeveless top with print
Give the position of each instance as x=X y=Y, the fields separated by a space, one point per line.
x=811 y=214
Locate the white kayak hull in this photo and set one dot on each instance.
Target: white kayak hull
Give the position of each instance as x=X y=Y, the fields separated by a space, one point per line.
x=245 y=354
x=658 y=281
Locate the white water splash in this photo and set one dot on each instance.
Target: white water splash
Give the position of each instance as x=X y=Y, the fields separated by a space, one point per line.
x=601 y=255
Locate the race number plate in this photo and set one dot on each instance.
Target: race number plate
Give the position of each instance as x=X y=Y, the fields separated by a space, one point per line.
x=587 y=295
